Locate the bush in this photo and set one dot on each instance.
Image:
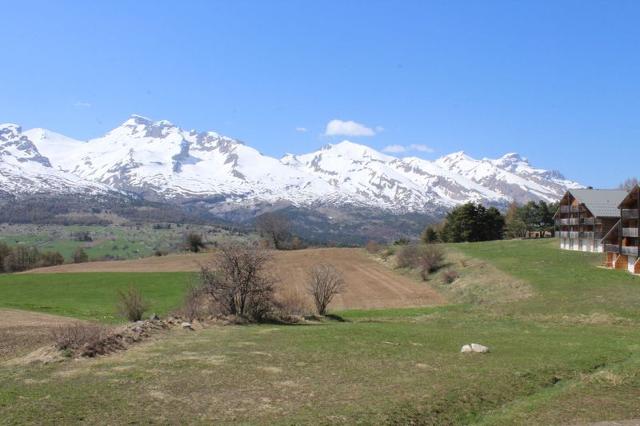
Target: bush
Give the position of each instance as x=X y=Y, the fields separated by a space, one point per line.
x=194 y=242
x=449 y=276
x=427 y=258
x=323 y=283
x=238 y=282
x=74 y=337
x=293 y=303
x=51 y=258
x=131 y=305
x=80 y=256
x=372 y=247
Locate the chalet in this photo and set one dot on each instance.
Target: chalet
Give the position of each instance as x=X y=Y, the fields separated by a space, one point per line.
x=621 y=243
x=585 y=216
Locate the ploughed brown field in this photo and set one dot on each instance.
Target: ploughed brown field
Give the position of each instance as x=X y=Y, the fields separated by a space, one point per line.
x=21 y=331
x=368 y=283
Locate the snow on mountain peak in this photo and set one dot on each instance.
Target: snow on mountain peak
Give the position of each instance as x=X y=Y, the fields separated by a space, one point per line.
x=141 y=127
x=156 y=157
x=9 y=131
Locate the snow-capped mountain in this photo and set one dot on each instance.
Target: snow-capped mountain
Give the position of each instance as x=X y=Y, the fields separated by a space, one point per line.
x=159 y=160
x=25 y=170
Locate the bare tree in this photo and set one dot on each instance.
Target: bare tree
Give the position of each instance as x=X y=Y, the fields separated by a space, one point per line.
x=238 y=281
x=324 y=282
x=275 y=227
x=629 y=184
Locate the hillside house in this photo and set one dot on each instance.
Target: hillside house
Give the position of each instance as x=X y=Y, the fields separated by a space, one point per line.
x=621 y=243
x=585 y=216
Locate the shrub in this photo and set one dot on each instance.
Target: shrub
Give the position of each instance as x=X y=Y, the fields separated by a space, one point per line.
x=51 y=258
x=74 y=337
x=131 y=305
x=80 y=256
x=427 y=258
x=323 y=283
x=372 y=247
x=431 y=258
x=239 y=283
x=402 y=241
x=292 y=303
x=449 y=276
x=408 y=256
x=194 y=242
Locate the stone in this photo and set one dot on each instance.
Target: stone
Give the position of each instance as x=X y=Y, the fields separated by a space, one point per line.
x=187 y=326
x=479 y=348
x=474 y=348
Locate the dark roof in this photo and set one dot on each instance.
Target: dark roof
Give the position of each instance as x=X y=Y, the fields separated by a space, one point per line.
x=600 y=202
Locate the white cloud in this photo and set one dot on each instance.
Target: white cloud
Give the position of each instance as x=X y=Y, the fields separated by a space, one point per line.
x=420 y=148
x=394 y=149
x=81 y=104
x=347 y=128
x=397 y=149
x=302 y=129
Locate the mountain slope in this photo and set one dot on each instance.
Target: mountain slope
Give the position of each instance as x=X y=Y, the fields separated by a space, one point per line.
x=161 y=161
x=25 y=171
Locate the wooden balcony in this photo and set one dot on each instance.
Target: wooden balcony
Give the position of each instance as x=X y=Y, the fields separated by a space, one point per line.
x=612 y=248
x=630 y=213
x=629 y=250
x=630 y=232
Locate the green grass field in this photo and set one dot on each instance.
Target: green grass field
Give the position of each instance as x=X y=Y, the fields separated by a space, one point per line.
x=109 y=242
x=569 y=353
x=90 y=295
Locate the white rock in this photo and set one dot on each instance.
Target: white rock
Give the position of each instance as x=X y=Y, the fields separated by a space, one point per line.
x=474 y=347
x=479 y=348
x=187 y=326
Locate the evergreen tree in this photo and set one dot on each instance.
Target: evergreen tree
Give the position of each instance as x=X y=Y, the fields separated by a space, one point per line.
x=473 y=222
x=429 y=235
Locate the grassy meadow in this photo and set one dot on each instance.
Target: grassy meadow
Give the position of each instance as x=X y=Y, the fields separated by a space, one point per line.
x=564 y=338
x=108 y=242
x=90 y=295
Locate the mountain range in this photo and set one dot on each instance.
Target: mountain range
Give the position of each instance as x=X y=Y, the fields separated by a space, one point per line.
x=159 y=161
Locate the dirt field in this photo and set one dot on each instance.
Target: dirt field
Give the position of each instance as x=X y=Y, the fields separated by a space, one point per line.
x=369 y=284
x=21 y=331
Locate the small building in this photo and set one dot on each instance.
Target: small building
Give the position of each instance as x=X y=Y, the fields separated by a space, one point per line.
x=585 y=216
x=621 y=243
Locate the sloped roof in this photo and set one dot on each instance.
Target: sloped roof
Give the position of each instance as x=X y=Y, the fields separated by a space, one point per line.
x=600 y=202
x=629 y=194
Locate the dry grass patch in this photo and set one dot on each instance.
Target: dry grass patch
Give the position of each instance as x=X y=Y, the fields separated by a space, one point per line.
x=481 y=283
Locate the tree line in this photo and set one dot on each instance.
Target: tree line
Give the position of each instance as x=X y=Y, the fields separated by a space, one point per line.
x=22 y=258
x=472 y=222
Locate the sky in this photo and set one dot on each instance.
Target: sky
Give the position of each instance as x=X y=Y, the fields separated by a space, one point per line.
x=556 y=81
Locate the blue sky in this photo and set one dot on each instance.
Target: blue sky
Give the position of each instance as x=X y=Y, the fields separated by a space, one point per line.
x=557 y=81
